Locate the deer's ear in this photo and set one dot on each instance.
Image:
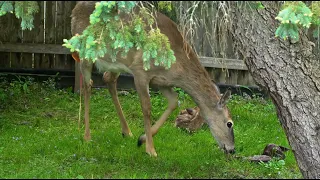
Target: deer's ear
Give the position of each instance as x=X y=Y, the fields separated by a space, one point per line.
x=224 y=99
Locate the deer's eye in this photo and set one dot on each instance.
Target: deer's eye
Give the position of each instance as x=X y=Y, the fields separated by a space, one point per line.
x=229 y=124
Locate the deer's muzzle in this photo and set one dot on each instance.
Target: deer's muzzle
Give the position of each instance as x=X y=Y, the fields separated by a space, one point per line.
x=229 y=150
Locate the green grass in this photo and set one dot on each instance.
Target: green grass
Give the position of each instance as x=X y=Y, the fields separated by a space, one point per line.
x=39 y=138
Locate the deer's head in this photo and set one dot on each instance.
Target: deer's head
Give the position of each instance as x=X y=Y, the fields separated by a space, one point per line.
x=221 y=124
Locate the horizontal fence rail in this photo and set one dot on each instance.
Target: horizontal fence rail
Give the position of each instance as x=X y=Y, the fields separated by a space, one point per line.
x=59 y=49
x=34 y=48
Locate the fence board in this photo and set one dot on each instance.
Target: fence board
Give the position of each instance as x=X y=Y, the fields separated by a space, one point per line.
x=217 y=75
x=58 y=49
x=28 y=37
x=70 y=63
x=60 y=32
x=4 y=60
x=26 y=58
x=233 y=77
x=223 y=63
x=39 y=28
x=34 y=48
x=63 y=31
x=4 y=37
x=15 y=36
x=49 y=32
x=70 y=60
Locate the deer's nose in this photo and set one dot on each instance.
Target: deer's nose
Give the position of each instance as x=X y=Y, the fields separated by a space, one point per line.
x=231 y=151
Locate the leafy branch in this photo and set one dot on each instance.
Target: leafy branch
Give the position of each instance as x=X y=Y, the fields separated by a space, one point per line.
x=107 y=26
x=295 y=15
x=23 y=10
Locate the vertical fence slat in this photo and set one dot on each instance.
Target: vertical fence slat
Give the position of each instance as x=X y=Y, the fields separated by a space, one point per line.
x=70 y=5
x=28 y=37
x=15 y=37
x=60 y=59
x=5 y=32
x=243 y=78
x=49 y=33
x=217 y=75
x=10 y=27
x=4 y=60
x=233 y=76
x=26 y=58
x=39 y=27
x=63 y=31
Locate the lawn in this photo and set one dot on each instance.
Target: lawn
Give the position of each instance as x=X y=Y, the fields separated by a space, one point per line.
x=39 y=137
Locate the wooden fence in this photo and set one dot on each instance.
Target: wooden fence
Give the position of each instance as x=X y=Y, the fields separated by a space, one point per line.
x=41 y=48
x=34 y=49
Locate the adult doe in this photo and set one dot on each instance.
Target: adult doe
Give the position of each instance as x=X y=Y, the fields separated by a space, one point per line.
x=187 y=73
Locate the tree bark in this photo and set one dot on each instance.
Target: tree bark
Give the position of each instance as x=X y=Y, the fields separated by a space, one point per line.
x=290 y=72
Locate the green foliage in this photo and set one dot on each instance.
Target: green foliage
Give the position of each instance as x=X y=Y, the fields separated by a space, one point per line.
x=107 y=27
x=315 y=8
x=165 y=5
x=315 y=32
x=182 y=95
x=23 y=10
x=26 y=10
x=22 y=86
x=295 y=15
x=6 y=6
x=167 y=8
x=254 y=4
x=274 y=164
x=162 y=55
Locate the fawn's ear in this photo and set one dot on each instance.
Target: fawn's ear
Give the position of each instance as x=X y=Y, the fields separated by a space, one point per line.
x=284 y=149
x=190 y=111
x=224 y=99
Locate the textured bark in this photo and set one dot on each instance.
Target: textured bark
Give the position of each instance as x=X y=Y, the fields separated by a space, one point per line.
x=291 y=74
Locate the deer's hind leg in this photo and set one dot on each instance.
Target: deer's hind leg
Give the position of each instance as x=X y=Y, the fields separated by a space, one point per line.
x=86 y=69
x=111 y=79
x=172 y=98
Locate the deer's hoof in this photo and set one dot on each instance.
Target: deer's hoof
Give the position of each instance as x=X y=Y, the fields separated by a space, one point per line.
x=152 y=153
x=139 y=142
x=141 y=139
x=130 y=134
x=87 y=138
x=127 y=134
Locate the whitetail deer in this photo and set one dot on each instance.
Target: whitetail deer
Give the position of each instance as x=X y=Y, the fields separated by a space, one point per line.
x=187 y=73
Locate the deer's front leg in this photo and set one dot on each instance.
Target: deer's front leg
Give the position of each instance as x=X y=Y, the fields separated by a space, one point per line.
x=86 y=68
x=172 y=98
x=111 y=79
x=142 y=88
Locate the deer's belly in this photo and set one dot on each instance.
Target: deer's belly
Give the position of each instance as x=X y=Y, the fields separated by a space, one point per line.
x=115 y=67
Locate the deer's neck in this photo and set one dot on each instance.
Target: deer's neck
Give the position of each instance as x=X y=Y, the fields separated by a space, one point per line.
x=198 y=84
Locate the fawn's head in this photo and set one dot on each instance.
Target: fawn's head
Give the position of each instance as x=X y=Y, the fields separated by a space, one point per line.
x=221 y=124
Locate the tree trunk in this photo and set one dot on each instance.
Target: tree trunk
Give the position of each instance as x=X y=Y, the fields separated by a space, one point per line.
x=291 y=74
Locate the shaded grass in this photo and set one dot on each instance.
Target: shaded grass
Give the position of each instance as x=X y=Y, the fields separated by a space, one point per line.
x=39 y=138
